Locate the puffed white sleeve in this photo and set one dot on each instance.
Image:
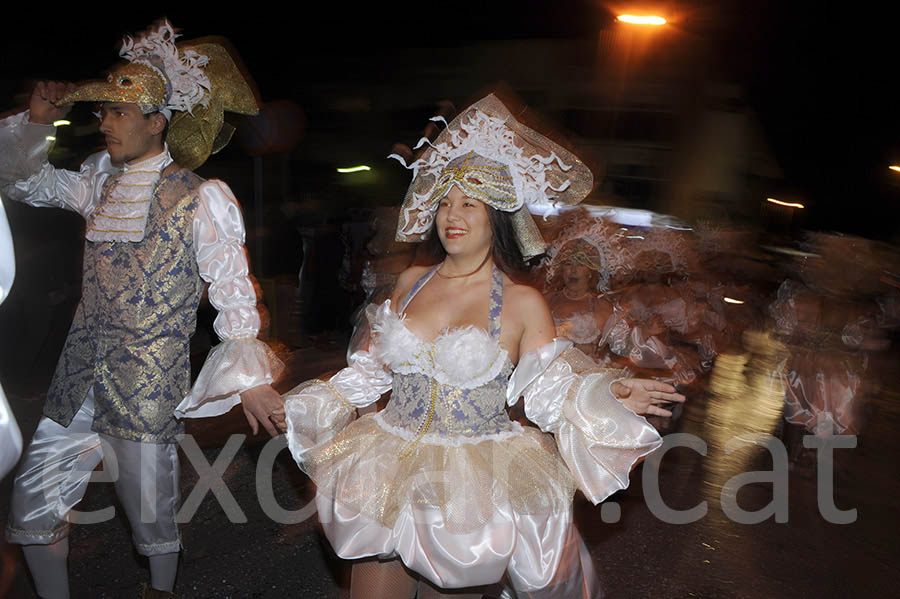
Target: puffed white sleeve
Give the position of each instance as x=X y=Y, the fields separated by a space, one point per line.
x=240 y=362
x=318 y=409
x=598 y=437
x=26 y=176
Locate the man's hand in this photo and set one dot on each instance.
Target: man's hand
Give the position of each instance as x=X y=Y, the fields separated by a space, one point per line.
x=42 y=106
x=644 y=396
x=264 y=405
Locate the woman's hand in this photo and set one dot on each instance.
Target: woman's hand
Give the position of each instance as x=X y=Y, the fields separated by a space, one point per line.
x=264 y=405
x=645 y=396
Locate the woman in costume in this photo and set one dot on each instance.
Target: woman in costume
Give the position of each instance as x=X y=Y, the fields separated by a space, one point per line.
x=575 y=274
x=440 y=487
x=831 y=325
x=659 y=325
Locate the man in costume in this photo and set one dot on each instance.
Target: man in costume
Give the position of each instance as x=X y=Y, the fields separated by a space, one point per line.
x=155 y=232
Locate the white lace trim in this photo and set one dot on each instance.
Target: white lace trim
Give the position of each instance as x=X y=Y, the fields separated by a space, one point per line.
x=436 y=439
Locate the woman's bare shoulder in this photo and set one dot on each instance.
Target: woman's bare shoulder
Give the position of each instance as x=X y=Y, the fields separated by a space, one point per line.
x=524 y=299
x=406 y=280
x=526 y=311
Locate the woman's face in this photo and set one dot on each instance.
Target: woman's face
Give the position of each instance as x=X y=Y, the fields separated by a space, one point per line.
x=576 y=277
x=463 y=225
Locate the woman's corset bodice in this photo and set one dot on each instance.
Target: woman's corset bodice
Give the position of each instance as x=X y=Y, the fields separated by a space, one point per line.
x=447 y=389
x=458 y=412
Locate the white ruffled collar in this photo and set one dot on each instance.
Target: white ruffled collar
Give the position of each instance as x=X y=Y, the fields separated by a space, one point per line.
x=124 y=208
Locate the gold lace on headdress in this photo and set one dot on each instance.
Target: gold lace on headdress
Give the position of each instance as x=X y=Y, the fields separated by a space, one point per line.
x=479 y=178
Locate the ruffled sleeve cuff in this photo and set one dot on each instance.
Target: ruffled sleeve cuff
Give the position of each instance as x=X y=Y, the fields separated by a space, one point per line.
x=316 y=410
x=598 y=437
x=231 y=368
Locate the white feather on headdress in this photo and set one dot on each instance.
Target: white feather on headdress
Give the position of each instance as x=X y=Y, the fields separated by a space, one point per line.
x=187 y=82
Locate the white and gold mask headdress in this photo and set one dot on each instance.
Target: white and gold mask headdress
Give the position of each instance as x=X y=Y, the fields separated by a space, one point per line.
x=493 y=158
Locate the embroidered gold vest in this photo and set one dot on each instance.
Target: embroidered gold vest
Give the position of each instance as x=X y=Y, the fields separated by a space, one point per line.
x=131 y=332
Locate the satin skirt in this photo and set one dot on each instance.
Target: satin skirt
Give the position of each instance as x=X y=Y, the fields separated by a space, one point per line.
x=57 y=467
x=458 y=515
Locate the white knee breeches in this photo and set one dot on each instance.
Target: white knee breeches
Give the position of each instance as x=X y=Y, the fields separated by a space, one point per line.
x=57 y=466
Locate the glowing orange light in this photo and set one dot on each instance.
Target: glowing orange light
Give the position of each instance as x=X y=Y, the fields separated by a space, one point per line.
x=788 y=204
x=642 y=20
x=894 y=168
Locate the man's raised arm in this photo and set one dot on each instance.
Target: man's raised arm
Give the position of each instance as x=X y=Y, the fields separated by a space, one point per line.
x=25 y=140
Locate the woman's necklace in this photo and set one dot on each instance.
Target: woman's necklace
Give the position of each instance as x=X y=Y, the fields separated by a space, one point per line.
x=468 y=274
x=575 y=298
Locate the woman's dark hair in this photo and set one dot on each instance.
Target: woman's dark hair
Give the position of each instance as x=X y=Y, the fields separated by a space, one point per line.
x=505 y=251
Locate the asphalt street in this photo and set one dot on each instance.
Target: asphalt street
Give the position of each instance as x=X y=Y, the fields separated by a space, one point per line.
x=238 y=549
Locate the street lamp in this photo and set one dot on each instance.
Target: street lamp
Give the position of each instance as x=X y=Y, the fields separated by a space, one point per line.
x=642 y=20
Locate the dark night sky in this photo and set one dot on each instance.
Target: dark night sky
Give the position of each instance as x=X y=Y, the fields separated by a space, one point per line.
x=819 y=76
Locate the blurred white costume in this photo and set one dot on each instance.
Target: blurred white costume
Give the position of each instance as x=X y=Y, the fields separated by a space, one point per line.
x=10 y=436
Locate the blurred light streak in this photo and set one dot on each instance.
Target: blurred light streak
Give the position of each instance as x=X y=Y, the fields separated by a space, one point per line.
x=788 y=204
x=354 y=169
x=789 y=251
x=61 y=123
x=729 y=300
x=642 y=20
x=50 y=138
x=894 y=168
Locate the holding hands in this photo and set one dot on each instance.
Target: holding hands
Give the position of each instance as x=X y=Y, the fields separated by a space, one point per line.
x=646 y=396
x=264 y=405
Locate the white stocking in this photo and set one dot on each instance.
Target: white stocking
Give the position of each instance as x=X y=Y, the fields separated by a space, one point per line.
x=48 y=566
x=163 y=569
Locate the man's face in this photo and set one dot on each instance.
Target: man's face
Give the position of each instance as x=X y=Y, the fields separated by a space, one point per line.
x=130 y=136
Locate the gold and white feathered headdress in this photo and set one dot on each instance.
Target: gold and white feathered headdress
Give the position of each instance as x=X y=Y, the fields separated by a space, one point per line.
x=192 y=83
x=494 y=158
x=157 y=76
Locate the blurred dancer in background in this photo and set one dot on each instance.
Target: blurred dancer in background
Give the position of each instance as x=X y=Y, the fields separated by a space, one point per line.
x=831 y=317
x=576 y=275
